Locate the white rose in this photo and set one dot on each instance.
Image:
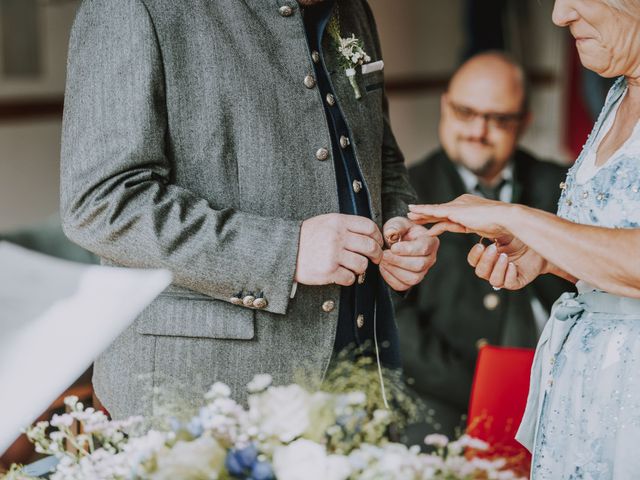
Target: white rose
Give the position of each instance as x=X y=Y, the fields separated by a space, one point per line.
x=281 y=412
x=307 y=460
x=201 y=458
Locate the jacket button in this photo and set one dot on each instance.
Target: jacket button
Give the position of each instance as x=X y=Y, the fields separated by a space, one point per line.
x=285 y=11
x=328 y=306
x=344 y=141
x=360 y=321
x=357 y=186
x=322 y=154
x=248 y=300
x=491 y=301
x=315 y=56
x=260 y=302
x=481 y=342
x=331 y=100
x=236 y=300
x=309 y=81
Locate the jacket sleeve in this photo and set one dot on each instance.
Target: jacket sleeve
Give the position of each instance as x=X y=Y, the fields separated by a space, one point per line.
x=397 y=192
x=117 y=195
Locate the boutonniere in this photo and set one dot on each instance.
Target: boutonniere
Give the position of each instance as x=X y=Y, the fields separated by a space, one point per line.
x=351 y=53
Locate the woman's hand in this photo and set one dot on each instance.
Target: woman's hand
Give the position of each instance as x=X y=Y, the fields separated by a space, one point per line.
x=465 y=214
x=511 y=265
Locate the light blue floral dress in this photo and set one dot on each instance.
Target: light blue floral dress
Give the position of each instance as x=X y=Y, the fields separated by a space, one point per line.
x=583 y=412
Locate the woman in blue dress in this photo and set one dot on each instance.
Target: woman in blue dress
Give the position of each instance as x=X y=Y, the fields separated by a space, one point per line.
x=583 y=413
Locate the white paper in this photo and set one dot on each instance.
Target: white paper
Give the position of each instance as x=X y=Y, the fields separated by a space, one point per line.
x=56 y=317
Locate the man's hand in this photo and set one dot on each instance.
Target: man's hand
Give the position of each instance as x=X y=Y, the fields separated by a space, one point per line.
x=411 y=254
x=336 y=248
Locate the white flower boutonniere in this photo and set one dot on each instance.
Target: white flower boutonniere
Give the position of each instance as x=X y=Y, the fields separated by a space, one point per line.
x=350 y=52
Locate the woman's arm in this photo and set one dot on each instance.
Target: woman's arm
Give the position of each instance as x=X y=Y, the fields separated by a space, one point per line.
x=604 y=257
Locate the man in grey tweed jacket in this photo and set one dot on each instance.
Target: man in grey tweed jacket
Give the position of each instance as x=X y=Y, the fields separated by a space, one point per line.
x=195 y=140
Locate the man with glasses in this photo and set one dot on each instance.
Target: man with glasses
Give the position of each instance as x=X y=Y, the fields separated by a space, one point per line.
x=452 y=313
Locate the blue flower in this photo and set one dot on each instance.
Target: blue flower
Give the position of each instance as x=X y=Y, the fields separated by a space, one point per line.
x=241 y=462
x=262 y=471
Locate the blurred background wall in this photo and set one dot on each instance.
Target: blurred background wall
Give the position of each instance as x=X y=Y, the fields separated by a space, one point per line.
x=423 y=41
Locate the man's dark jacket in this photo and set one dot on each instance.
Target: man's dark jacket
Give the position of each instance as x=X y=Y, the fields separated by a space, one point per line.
x=444 y=319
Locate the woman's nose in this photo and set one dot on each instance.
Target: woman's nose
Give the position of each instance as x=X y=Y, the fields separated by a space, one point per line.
x=563 y=13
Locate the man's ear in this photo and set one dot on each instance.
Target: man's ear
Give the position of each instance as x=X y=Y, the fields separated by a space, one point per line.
x=444 y=98
x=525 y=124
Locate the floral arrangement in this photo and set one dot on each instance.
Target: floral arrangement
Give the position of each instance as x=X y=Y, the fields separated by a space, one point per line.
x=285 y=433
x=351 y=53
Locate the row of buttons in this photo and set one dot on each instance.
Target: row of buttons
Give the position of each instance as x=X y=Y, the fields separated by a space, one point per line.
x=330 y=305
x=249 y=300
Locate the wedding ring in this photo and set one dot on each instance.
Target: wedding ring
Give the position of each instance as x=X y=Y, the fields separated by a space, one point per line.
x=497 y=289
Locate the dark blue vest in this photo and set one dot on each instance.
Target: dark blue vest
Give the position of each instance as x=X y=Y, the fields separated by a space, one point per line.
x=365 y=305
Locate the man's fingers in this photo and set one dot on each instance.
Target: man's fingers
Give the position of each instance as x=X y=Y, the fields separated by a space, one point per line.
x=344 y=277
x=391 y=279
x=395 y=229
x=497 y=277
x=416 y=248
x=488 y=259
x=352 y=261
x=407 y=277
x=413 y=264
x=363 y=245
x=364 y=226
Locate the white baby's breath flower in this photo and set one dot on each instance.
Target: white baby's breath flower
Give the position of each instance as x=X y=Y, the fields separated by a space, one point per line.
x=304 y=459
x=259 y=383
x=64 y=420
x=218 y=390
x=356 y=398
x=436 y=440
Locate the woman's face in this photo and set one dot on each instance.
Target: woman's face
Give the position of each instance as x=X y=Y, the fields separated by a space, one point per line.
x=608 y=40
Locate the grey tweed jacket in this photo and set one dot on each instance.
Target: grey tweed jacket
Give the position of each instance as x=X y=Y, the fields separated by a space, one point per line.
x=189 y=143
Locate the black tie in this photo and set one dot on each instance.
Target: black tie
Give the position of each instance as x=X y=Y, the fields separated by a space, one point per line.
x=491 y=193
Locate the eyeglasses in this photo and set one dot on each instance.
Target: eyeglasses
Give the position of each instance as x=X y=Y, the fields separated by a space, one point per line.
x=502 y=121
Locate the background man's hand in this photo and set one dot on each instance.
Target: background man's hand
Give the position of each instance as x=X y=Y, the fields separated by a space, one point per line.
x=411 y=254
x=336 y=248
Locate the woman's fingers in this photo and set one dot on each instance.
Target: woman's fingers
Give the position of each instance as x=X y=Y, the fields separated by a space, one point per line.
x=484 y=267
x=475 y=254
x=499 y=272
x=442 y=227
x=511 y=278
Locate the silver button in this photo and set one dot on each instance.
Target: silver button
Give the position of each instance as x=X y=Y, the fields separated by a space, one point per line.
x=563 y=186
x=285 y=11
x=357 y=186
x=361 y=278
x=360 y=321
x=328 y=306
x=491 y=301
x=248 y=300
x=260 y=303
x=309 y=81
x=236 y=300
x=315 y=56
x=322 y=154
x=331 y=100
x=344 y=141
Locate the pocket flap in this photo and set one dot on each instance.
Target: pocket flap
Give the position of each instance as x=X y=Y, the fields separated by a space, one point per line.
x=196 y=316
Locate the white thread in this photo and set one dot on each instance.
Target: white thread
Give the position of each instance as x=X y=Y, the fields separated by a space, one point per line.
x=375 y=340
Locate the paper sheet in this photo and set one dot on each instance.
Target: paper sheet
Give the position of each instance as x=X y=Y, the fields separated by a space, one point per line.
x=56 y=317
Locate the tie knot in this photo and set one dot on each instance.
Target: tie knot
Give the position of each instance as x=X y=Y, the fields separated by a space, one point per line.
x=491 y=192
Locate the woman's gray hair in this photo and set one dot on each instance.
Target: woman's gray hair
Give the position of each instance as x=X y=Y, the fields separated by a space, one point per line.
x=631 y=7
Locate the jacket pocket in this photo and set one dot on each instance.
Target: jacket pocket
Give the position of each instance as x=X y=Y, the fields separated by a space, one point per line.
x=195 y=315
